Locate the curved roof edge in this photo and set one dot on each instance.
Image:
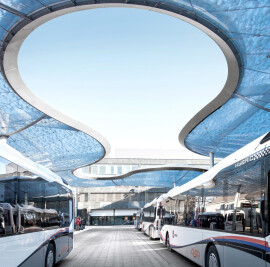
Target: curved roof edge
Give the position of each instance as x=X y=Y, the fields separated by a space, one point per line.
x=225 y=94
x=150 y=169
x=11 y=73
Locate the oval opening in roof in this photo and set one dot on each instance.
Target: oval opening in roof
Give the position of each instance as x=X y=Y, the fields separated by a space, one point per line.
x=135 y=76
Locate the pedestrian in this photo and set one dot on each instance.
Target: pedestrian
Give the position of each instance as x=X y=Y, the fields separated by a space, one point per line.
x=77 y=223
x=83 y=222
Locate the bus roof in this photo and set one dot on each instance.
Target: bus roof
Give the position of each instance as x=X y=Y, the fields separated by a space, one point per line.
x=254 y=149
x=14 y=156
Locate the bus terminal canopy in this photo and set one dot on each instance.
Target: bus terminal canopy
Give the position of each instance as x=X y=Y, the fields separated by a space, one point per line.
x=238 y=115
x=165 y=177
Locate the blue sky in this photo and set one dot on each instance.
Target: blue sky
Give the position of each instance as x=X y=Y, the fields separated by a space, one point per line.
x=135 y=76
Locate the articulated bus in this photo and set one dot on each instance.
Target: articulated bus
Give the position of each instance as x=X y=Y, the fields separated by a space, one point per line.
x=36 y=212
x=222 y=217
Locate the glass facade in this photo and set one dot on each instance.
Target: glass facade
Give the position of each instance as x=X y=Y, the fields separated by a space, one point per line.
x=119 y=169
x=112 y=220
x=102 y=169
x=112 y=169
x=109 y=169
x=94 y=169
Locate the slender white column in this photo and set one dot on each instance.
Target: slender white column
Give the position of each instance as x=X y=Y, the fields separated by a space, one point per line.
x=212 y=160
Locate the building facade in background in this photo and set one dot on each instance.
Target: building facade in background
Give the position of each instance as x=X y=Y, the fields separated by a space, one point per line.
x=113 y=205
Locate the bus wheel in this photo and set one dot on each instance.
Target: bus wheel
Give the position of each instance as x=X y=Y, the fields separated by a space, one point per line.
x=150 y=233
x=212 y=259
x=168 y=243
x=50 y=256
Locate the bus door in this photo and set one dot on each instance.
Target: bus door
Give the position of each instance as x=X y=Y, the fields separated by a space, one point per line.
x=71 y=226
x=65 y=241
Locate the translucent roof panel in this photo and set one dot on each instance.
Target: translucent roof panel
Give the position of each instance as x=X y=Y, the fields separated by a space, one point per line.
x=56 y=145
x=15 y=113
x=38 y=136
x=25 y=6
x=159 y=178
x=8 y=19
x=240 y=118
x=153 y=178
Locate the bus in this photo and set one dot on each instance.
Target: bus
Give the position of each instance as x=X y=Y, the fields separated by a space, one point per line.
x=222 y=217
x=153 y=217
x=148 y=216
x=36 y=212
x=138 y=219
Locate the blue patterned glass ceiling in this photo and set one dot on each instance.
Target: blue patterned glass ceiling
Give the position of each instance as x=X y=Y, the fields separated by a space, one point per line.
x=151 y=178
x=235 y=119
x=38 y=136
x=245 y=116
x=48 y=141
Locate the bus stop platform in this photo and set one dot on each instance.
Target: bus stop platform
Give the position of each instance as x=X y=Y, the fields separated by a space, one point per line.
x=120 y=246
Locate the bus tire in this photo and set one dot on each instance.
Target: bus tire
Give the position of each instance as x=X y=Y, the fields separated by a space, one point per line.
x=168 y=245
x=212 y=258
x=150 y=232
x=50 y=256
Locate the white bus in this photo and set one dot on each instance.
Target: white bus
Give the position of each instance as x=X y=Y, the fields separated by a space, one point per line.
x=36 y=212
x=216 y=232
x=138 y=219
x=148 y=217
x=153 y=218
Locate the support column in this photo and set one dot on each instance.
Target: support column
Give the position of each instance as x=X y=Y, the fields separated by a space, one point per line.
x=212 y=159
x=76 y=202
